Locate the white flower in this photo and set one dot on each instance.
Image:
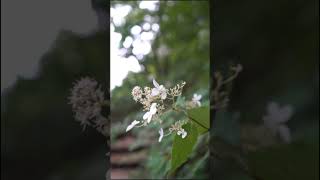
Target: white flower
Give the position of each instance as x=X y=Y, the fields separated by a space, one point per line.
x=133 y=124
x=153 y=110
x=161 y=134
x=276 y=118
x=182 y=132
x=196 y=99
x=159 y=90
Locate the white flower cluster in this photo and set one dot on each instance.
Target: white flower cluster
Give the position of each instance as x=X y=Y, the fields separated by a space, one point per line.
x=153 y=103
x=87 y=100
x=177 y=127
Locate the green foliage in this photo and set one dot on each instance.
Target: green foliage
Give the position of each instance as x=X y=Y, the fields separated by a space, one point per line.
x=202 y=116
x=182 y=148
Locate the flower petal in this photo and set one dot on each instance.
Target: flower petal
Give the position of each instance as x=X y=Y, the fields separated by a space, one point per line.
x=129 y=127
x=184 y=134
x=161 y=134
x=198 y=103
x=153 y=108
x=285 y=114
x=149 y=118
x=134 y=123
x=195 y=96
x=199 y=97
x=155 y=83
x=284 y=133
x=161 y=88
x=146 y=115
x=155 y=92
x=272 y=107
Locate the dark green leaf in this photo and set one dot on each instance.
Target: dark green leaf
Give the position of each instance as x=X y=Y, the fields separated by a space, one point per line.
x=182 y=148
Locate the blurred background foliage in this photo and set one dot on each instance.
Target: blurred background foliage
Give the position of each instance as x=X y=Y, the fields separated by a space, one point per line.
x=277 y=43
x=180 y=52
x=40 y=139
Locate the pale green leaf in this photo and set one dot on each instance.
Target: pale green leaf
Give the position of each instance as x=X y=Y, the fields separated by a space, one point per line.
x=202 y=116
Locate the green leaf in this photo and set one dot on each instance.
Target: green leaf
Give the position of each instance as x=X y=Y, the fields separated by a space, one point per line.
x=202 y=116
x=182 y=148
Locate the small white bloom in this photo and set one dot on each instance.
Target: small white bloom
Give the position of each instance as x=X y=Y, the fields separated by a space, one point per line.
x=153 y=110
x=182 y=132
x=159 y=90
x=276 y=118
x=196 y=99
x=161 y=134
x=133 y=124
